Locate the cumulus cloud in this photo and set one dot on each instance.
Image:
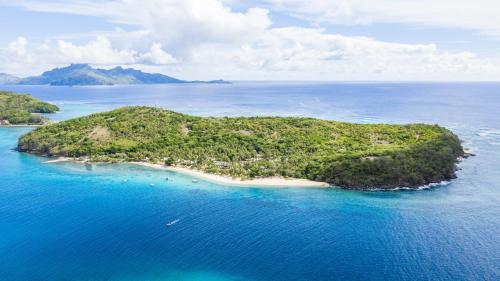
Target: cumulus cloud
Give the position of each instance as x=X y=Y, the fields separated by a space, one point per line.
x=169 y=22
x=99 y=51
x=480 y=15
x=304 y=53
x=18 y=47
x=158 y=56
x=204 y=39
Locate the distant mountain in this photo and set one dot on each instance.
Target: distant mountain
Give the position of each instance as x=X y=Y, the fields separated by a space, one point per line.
x=84 y=74
x=8 y=79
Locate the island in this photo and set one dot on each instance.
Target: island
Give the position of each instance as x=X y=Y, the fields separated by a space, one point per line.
x=338 y=153
x=8 y=79
x=23 y=109
x=86 y=75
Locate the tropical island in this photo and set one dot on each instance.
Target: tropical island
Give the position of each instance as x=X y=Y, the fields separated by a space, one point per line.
x=338 y=153
x=23 y=109
x=86 y=75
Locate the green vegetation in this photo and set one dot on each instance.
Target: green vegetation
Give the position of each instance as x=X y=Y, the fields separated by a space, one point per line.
x=343 y=154
x=18 y=109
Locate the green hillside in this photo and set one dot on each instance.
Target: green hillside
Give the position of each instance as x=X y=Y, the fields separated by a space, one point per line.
x=16 y=109
x=343 y=154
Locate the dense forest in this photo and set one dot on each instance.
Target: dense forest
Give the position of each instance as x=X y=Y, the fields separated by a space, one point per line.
x=16 y=109
x=343 y=154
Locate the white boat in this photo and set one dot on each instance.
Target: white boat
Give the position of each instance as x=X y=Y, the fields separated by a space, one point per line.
x=172 y=223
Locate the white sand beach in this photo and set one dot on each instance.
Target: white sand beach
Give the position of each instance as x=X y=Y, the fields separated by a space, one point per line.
x=224 y=180
x=261 y=182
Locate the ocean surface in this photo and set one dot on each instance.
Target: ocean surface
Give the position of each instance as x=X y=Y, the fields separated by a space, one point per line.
x=66 y=221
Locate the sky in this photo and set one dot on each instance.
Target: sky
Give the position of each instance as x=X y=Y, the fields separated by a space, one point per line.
x=354 y=40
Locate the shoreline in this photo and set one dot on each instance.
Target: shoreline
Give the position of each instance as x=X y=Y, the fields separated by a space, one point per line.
x=14 y=126
x=225 y=180
x=271 y=182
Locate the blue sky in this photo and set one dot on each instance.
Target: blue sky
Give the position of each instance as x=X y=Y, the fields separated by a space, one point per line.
x=258 y=40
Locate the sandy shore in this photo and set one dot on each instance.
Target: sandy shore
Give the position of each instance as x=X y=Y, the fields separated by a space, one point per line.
x=61 y=159
x=263 y=182
x=15 y=126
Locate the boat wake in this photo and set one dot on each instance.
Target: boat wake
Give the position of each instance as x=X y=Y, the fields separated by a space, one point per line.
x=172 y=223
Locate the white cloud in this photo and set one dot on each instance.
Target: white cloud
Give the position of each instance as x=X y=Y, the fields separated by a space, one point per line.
x=169 y=22
x=18 y=47
x=197 y=39
x=98 y=51
x=479 y=15
x=101 y=52
x=16 y=58
x=157 y=56
x=303 y=53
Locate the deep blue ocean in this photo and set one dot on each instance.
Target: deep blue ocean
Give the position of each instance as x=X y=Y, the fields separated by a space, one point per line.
x=66 y=221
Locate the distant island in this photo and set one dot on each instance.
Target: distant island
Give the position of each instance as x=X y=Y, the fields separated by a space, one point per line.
x=341 y=154
x=8 y=79
x=86 y=75
x=16 y=109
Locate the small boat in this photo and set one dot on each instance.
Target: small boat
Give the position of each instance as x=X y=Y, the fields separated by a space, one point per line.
x=172 y=223
x=194 y=181
x=151 y=184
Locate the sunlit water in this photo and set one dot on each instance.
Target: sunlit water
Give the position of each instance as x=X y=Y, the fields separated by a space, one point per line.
x=67 y=221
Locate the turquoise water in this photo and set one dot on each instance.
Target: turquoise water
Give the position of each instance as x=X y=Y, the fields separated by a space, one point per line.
x=66 y=221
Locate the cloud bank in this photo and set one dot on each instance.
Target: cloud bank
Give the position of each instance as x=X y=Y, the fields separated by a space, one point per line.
x=479 y=15
x=206 y=39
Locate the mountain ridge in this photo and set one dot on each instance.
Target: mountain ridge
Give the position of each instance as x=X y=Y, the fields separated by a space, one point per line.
x=86 y=75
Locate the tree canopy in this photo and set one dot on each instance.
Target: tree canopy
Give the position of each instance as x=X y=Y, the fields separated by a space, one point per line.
x=340 y=153
x=20 y=109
